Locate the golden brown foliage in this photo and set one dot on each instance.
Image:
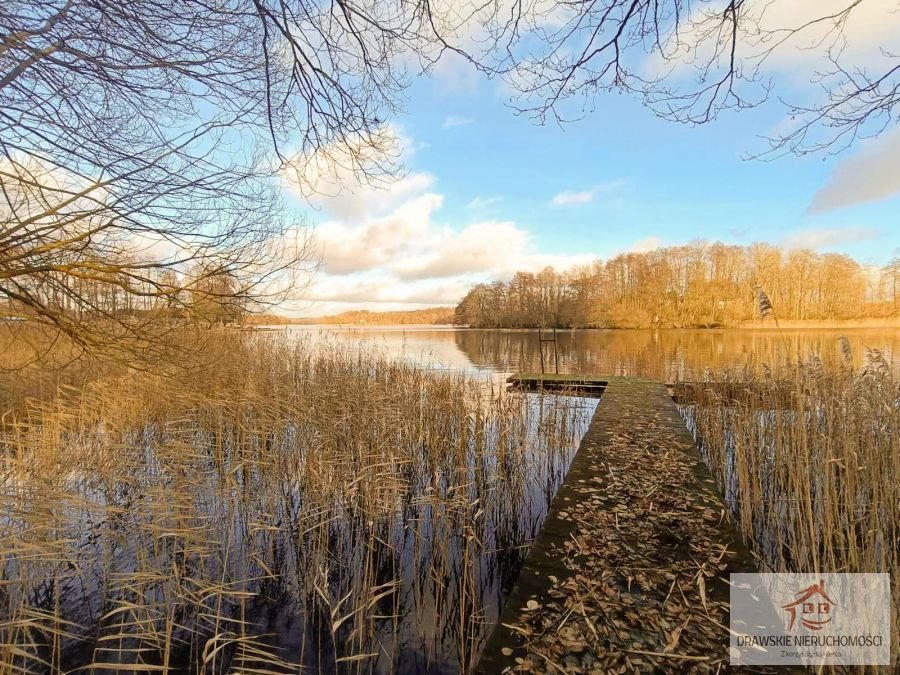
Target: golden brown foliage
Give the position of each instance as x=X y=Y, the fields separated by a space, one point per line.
x=427 y=316
x=698 y=285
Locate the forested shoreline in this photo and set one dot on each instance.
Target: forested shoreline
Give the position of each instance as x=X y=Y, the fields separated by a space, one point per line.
x=426 y=316
x=693 y=286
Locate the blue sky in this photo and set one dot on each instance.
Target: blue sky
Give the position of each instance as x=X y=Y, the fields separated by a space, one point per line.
x=487 y=192
x=644 y=177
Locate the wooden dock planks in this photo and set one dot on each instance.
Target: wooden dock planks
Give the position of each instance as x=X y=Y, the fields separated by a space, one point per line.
x=629 y=572
x=572 y=384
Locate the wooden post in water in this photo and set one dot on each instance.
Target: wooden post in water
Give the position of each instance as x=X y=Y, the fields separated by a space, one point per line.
x=555 y=341
x=555 y=351
x=541 y=347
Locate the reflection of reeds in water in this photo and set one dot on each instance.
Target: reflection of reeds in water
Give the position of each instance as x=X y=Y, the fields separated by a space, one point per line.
x=346 y=513
x=808 y=457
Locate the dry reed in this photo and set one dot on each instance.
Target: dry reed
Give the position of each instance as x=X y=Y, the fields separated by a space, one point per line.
x=278 y=509
x=808 y=458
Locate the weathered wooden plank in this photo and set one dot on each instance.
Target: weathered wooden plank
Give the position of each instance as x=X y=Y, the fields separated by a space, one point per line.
x=574 y=384
x=563 y=378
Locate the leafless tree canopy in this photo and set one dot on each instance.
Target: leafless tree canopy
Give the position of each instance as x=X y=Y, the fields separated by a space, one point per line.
x=142 y=140
x=132 y=170
x=690 y=60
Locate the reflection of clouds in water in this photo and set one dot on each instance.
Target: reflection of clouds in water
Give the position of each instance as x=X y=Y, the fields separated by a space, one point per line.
x=665 y=355
x=430 y=347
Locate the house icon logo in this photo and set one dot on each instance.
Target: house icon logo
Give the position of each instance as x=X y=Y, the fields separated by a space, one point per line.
x=812 y=607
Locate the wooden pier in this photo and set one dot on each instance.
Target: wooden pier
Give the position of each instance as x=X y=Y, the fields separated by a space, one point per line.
x=629 y=572
x=580 y=385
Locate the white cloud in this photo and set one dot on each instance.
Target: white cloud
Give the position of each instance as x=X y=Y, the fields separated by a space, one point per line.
x=610 y=189
x=871 y=174
x=455 y=121
x=482 y=247
x=409 y=245
x=456 y=74
x=380 y=291
x=568 y=198
x=41 y=193
x=824 y=237
x=386 y=248
x=789 y=37
x=789 y=45
x=868 y=26
x=483 y=203
x=645 y=245
x=154 y=246
x=351 y=246
x=354 y=180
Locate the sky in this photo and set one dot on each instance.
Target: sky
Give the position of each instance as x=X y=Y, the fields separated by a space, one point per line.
x=486 y=192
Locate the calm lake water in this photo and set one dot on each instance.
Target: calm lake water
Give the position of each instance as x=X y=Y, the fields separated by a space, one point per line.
x=662 y=354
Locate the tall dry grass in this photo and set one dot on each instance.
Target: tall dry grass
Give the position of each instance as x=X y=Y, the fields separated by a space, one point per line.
x=808 y=457
x=274 y=509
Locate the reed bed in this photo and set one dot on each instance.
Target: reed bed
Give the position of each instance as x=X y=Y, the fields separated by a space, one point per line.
x=278 y=510
x=808 y=458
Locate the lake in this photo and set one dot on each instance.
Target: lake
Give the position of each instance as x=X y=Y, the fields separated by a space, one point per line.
x=662 y=354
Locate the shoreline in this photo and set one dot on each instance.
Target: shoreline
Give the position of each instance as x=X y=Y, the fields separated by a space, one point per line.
x=756 y=325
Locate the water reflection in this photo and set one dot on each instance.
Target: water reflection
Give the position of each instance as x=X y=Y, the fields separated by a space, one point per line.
x=222 y=537
x=663 y=354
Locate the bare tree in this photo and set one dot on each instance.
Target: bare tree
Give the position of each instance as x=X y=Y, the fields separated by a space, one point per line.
x=690 y=60
x=140 y=137
x=890 y=276
x=137 y=137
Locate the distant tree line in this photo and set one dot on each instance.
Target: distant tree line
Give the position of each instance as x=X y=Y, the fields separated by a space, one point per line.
x=429 y=315
x=697 y=285
x=204 y=296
